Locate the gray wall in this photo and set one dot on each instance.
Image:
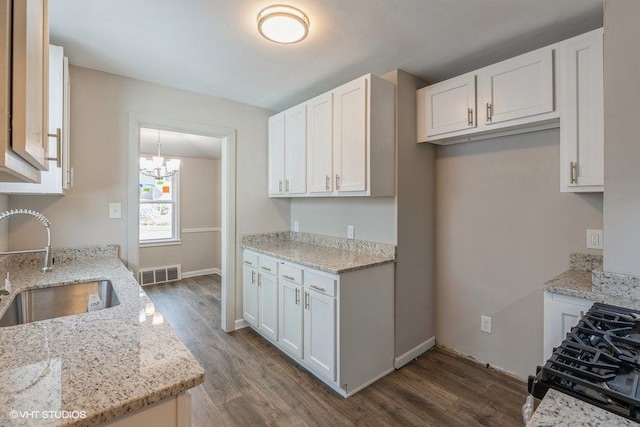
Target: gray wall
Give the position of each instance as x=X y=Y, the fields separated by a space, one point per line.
x=100 y=107
x=199 y=194
x=502 y=229
x=414 y=293
x=622 y=138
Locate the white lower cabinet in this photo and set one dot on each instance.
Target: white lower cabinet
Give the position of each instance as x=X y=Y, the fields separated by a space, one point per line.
x=561 y=313
x=250 y=290
x=339 y=327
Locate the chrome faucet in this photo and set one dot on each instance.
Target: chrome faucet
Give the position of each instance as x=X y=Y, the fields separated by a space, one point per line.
x=48 y=259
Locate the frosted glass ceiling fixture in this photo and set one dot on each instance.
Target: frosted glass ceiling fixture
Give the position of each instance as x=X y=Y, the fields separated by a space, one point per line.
x=156 y=167
x=283 y=24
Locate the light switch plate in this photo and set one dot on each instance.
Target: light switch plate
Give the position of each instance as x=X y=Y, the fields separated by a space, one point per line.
x=115 y=210
x=594 y=239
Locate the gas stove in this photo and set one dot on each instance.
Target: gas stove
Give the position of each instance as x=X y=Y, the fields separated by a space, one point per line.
x=598 y=362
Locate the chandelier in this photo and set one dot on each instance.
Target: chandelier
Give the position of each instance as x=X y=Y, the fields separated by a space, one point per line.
x=156 y=167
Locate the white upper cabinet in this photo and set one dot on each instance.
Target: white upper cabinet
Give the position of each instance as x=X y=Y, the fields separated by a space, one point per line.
x=57 y=179
x=30 y=78
x=14 y=124
x=511 y=96
x=287 y=152
x=350 y=136
x=451 y=107
x=582 y=113
x=518 y=88
x=350 y=143
x=320 y=144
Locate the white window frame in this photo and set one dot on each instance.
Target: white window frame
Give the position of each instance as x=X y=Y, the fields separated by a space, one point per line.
x=175 y=240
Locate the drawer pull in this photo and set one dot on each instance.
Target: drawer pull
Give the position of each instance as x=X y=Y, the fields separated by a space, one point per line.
x=248 y=262
x=318 y=288
x=266 y=268
x=470 y=116
x=288 y=277
x=574 y=173
x=326 y=182
x=253 y=277
x=297 y=296
x=306 y=300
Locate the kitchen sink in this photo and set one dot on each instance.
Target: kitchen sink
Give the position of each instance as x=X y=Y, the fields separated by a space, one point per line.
x=58 y=301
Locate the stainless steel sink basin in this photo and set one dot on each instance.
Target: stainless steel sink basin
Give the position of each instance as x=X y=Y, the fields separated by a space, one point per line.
x=58 y=301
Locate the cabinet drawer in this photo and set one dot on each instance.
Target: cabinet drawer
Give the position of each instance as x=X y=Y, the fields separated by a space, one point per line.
x=268 y=265
x=324 y=284
x=291 y=273
x=250 y=259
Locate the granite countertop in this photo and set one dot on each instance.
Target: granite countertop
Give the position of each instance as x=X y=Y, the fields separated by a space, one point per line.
x=326 y=253
x=559 y=409
x=102 y=364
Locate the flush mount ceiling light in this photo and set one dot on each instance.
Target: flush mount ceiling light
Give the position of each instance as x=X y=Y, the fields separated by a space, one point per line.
x=283 y=24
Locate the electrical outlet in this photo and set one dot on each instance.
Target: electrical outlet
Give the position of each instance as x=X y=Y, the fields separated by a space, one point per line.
x=594 y=239
x=296 y=226
x=485 y=324
x=349 y=231
x=115 y=210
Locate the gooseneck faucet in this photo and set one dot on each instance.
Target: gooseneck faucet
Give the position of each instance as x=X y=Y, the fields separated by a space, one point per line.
x=48 y=259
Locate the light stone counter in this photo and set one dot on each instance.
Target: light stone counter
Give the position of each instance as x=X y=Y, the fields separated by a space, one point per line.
x=559 y=409
x=104 y=364
x=327 y=253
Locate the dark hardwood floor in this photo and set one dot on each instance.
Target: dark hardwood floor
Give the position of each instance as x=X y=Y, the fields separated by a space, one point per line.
x=248 y=382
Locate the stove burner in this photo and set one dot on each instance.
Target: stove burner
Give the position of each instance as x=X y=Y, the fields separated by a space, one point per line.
x=599 y=362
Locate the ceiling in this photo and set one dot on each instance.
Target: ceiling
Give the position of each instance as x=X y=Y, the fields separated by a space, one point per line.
x=213 y=46
x=176 y=144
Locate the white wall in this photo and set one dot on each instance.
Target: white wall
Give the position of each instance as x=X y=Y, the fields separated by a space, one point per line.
x=622 y=139
x=199 y=208
x=4 y=225
x=100 y=107
x=503 y=228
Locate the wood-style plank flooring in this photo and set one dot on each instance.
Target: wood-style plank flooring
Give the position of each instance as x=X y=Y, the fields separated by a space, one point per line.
x=248 y=382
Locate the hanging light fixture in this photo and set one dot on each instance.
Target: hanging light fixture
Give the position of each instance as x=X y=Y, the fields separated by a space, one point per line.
x=156 y=167
x=283 y=24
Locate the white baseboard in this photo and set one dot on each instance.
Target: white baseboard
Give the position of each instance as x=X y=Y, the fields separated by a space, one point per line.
x=240 y=323
x=416 y=351
x=204 y=272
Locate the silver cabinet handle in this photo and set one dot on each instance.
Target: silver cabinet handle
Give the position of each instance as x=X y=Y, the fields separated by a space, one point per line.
x=265 y=268
x=337 y=182
x=306 y=300
x=286 y=185
x=574 y=173
x=288 y=277
x=58 y=137
x=318 y=288
x=470 y=116
x=327 y=182
x=248 y=262
x=297 y=296
x=253 y=277
x=280 y=186
x=489 y=112
x=259 y=279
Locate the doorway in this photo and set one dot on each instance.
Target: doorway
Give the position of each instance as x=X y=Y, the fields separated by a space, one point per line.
x=226 y=136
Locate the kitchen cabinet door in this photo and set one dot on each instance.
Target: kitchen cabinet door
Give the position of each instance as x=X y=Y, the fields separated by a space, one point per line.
x=57 y=179
x=276 y=154
x=561 y=313
x=268 y=302
x=350 y=136
x=582 y=114
x=320 y=144
x=296 y=150
x=290 y=333
x=30 y=63
x=250 y=295
x=446 y=107
x=320 y=333
x=517 y=88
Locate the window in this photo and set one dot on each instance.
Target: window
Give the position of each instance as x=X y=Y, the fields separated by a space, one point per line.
x=159 y=210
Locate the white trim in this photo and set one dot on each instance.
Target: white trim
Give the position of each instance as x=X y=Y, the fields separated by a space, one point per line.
x=204 y=272
x=240 y=324
x=416 y=351
x=202 y=230
x=228 y=199
x=153 y=243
